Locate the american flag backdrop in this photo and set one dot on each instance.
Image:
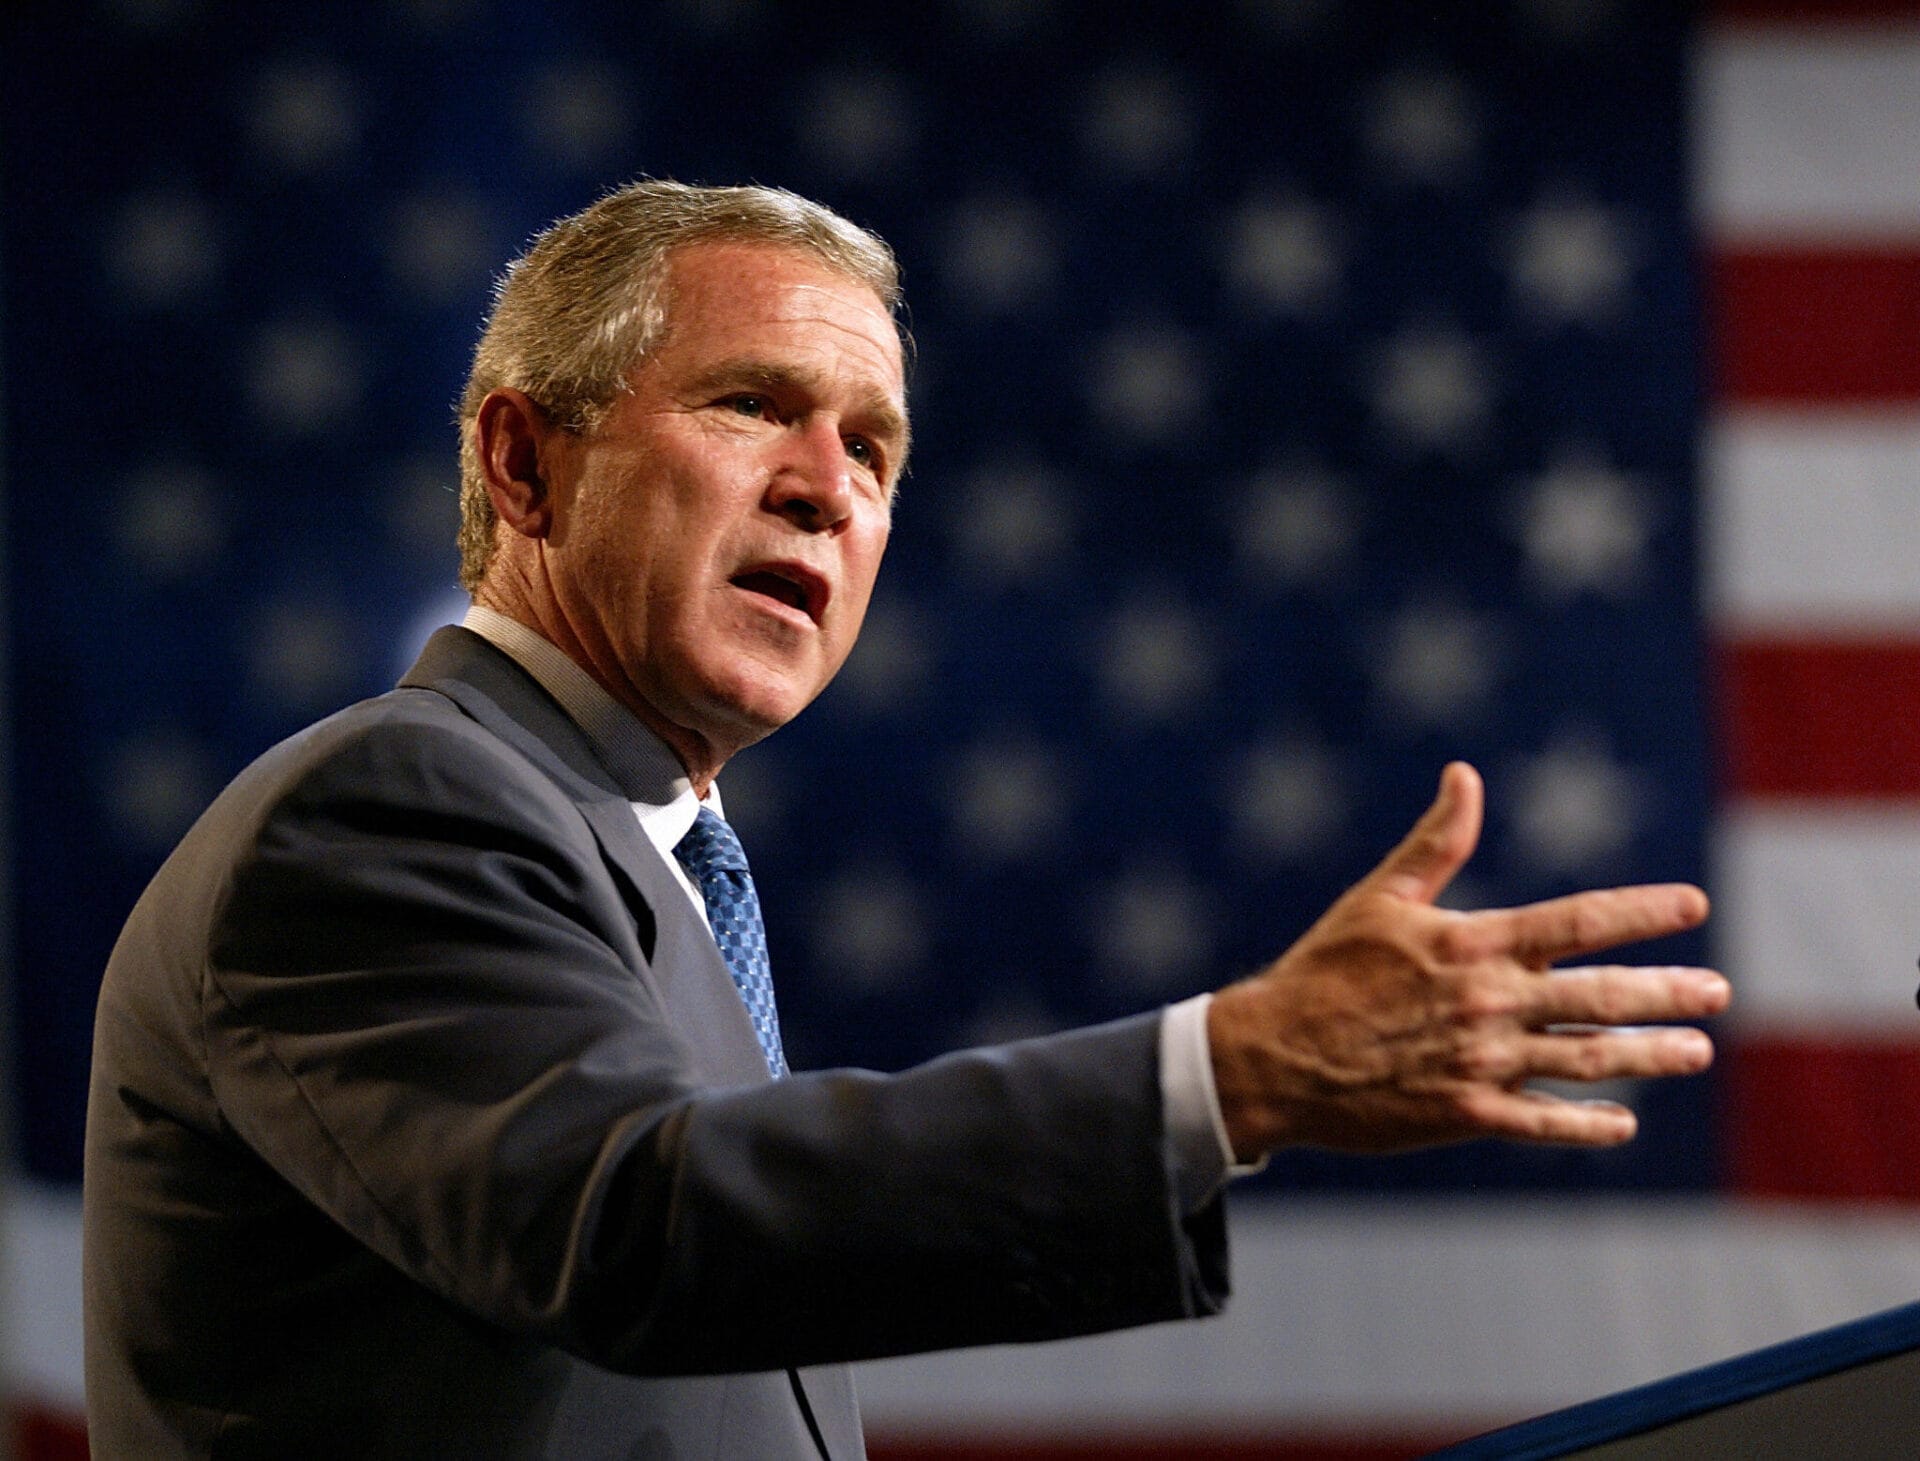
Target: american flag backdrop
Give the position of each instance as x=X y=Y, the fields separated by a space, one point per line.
x=1306 y=393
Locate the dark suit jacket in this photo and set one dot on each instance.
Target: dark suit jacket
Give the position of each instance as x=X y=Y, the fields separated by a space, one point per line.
x=425 y=1121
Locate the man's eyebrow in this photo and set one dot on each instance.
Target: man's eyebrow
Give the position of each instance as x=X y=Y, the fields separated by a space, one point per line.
x=745 y=372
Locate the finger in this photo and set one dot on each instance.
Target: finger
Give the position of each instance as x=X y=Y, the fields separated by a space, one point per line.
x=1535 y=1116
x=1624 y=995
x=1615 y=1054
x=1583 y=923
x=1440 y=842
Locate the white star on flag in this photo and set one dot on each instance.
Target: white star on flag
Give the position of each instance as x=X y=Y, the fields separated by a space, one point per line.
x=1584 y=528
x=1571 y=262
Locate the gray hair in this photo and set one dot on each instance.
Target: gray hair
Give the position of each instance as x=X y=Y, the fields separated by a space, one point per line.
x=574 y=315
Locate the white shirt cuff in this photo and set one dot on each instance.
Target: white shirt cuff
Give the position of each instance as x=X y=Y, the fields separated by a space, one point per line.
x=1198 y=1152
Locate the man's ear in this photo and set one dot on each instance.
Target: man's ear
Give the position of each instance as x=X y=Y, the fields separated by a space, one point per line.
x=513 y=436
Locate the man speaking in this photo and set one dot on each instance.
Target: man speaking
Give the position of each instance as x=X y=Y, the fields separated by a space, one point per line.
x=438 y=1103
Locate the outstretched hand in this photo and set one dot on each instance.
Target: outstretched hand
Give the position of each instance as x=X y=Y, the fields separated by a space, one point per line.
x=1393 y=1023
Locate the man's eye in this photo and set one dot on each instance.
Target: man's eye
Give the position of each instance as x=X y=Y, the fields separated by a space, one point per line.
x=745 y=405
x=861 y=451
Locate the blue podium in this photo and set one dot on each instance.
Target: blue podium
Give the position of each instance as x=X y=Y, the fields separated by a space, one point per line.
x=1850 y=1393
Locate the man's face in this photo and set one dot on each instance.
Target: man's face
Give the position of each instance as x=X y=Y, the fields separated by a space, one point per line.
x=716 y=539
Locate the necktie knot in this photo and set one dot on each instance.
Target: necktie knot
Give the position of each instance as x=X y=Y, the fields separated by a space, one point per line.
x=715 y=861
x=710 y=846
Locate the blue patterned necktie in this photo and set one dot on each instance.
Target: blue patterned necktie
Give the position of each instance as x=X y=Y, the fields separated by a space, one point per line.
x=712 y=856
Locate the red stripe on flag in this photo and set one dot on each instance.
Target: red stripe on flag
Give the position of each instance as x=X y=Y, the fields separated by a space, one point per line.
x=1820 y=718
x=1113 y=1448
x=1835 y=326
x=41 y=1434
x=1822 y=1119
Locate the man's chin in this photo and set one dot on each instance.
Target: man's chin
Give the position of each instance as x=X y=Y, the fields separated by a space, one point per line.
x=707 y=707
x=744 y=713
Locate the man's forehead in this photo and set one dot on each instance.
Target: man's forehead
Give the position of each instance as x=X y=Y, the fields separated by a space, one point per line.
x=718 y=280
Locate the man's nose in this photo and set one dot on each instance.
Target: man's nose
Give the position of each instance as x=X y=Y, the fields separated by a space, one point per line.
x=813 y=479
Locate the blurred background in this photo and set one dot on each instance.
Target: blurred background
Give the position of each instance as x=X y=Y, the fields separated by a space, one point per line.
x=1306 y=393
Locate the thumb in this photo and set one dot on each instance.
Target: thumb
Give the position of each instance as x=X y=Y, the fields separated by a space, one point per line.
x=1440 y=842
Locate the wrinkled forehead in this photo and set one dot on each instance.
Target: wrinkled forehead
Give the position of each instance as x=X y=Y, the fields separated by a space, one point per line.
x=712 y=278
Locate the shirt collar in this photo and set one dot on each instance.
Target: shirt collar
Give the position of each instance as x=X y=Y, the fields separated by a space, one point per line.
x=648 y=773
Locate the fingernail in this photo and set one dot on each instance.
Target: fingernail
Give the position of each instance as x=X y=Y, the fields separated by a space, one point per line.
x=1693 y=1047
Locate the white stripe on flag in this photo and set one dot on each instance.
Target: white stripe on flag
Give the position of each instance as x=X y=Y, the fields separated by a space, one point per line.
x=1352 y=1314
x=1818 y=910
x=1813 y=520
x=1808 y=134
x=40 y=1265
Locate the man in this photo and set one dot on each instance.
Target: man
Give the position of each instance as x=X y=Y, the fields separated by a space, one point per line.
x=438 y=1105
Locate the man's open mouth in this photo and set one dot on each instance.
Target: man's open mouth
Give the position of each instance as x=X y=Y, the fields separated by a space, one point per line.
x=791 y=584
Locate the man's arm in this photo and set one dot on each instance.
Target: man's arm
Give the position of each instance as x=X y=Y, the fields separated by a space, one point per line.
x=1393 y=1023
x=426 y=1008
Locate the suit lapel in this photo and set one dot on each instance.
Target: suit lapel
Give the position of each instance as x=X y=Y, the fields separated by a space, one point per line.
x=692 y=977
x=683 y=964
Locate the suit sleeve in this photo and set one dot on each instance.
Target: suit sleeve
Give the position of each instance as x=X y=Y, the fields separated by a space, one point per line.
x=426 y=1006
